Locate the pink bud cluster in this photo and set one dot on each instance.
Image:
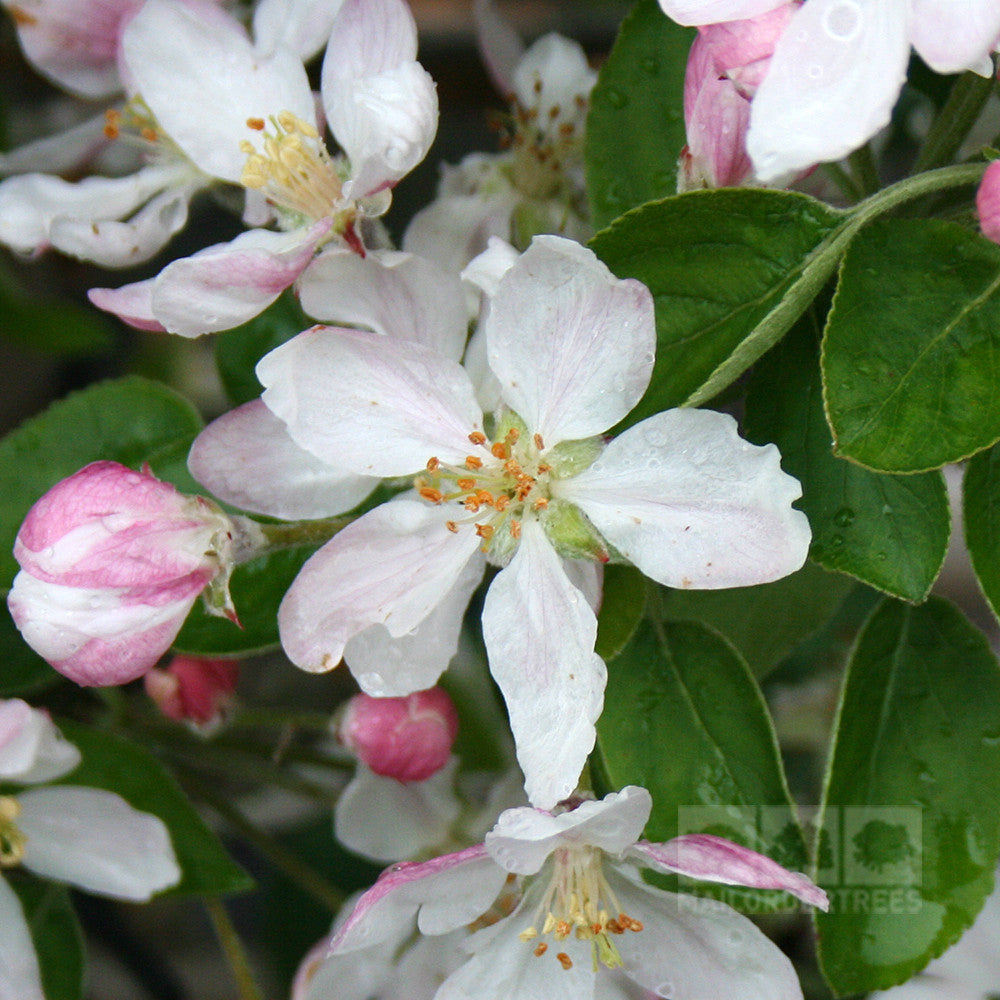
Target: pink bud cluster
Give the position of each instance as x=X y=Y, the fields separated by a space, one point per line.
x=193 y=689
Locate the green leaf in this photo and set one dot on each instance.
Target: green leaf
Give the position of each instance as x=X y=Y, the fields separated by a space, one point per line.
x=981 y=502
x=635 y=127
x=889 y=531
x=730 y=271
x=911 y=356
x=56 y=934
x=257 y=588
x=684 y=718
x=238 y=351
x=765 y=623
x=621 y=609
x=118 y=765
x=912 y=798
x=125 y=420
x=23 y=672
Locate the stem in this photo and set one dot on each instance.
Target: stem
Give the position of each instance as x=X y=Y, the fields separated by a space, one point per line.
x=278 y=718
x=303 y=875
x=864 y=169
x=848 y=185
x=954 y=121
x=297 y=533
x=233 y=947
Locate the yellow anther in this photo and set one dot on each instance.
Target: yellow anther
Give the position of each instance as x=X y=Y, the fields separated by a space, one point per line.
x=528 y=934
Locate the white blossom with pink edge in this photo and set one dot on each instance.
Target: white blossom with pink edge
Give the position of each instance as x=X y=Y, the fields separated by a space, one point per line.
x=680 y=495
x=381 y=106
x=112 y=561
x=840 y=64
x=88 y=837
x=585 y=925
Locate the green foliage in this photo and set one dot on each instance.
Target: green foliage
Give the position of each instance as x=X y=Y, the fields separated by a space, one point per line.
x=118 y=765
x=912 y=795
x=729 y=271
x=891 y=532
x=910 y=355
x=621 y=609
x=639 y=98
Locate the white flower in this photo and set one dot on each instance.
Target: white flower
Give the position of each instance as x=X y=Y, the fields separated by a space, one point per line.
x=249 y=117
x=88 y=837
x=585 y=923
x=680 y=495
x=839 y=67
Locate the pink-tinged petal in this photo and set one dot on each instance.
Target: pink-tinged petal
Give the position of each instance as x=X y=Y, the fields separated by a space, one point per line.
x=110 y=243
x=442 y=894
x=955 y=35
x=247 y=458
x=132 y=304
x=225 y=285
x=714 y=859
x=380 y=103
x=698 y=12
x=834 y=78
x=74 y=42
x=988 y=202
x=523 y=838
x=370 y=406
x=744 y=48
x=203 y=80
x=31 y=203
x=692 y=504
x=387 y=666
x=571 y=344
x=300 y=25
x=387 y=820
x=499 y=44
x=392 y=567
x=400 y=295
x=32 y=750
x=694 y=949
x=540 y=632
x=95 y=840
x=96 y=637
x=20 y=976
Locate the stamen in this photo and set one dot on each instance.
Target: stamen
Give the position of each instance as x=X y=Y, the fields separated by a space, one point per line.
x=451 y=526
x=472 y=462
x=541 y=949
x=565 y=961
x=466 y=484
x=539 y=444
x=429 y=493
x=257 y=124
x=12 y=840
x=500 y=450
x=477 y=437
x=433 y=464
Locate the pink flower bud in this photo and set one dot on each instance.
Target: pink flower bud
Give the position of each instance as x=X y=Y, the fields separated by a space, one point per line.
x=988 y=202
x=193 y=689
x=725 y=66
x=408 y=739
x=111 y=563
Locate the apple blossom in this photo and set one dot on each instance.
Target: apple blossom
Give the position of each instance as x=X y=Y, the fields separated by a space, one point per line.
x=840 y=64
x=193 y=688
x=262 y=131
x=988 y=202
x=581 y=921
x=88 y=837
x=542 y=497
x=112 y=561
x=536 y=184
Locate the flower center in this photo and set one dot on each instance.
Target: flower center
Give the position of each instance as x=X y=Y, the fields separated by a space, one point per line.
x=578 y=901
x=495 y=494
x=136 y=123
x=12 y=840
x=295 y=172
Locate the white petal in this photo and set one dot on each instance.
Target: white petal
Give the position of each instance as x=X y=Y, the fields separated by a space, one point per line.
x=301 y=25
x=32 y=750
x=499 y=43
x=954 y=35
x=486 y=269
x=393 y=566
x=523 y=838
x=247 y=458
x=539 y=632
x=65 y=151
x=380 y=103
x=692 y=504
x=387 y=666
x=369 y=405
x=225 y=285
x=20 y=976
x=554 y=73
x=832 y=83
x=571 y=344
x=95 y=840
x=400 y=295
x=692 y=949
x=388 y=820
x=132 y=304
x=202 y=80
x=698 y=12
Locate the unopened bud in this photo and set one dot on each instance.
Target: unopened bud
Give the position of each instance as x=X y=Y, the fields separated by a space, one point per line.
x=408 y=739
x=193 y=689
x=988 y=202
